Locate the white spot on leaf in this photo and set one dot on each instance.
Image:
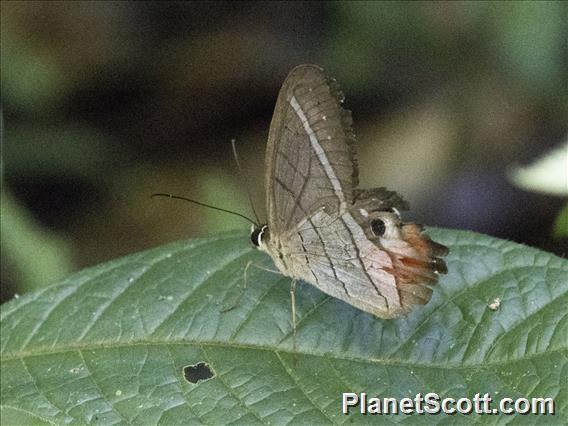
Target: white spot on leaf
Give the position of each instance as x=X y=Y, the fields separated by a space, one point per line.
x=495 y=304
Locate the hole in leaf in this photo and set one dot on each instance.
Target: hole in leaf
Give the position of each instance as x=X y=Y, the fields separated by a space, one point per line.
x=197 y=372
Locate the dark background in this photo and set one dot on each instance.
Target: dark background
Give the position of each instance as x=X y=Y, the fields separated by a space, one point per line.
x=104 y=103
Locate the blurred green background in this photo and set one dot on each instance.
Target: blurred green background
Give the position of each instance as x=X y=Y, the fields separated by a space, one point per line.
x=104 y=103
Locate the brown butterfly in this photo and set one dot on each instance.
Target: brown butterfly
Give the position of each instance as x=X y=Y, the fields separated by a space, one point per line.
x=348 y=242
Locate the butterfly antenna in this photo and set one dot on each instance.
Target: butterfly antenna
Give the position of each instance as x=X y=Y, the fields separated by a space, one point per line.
x=244 y=179
x=177 y=197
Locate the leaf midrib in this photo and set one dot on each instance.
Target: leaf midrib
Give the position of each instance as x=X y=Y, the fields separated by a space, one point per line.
x=10 y=356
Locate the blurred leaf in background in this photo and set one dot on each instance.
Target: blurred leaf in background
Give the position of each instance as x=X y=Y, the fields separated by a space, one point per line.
x=548 y=174
x=32 y=256
x=561 y=223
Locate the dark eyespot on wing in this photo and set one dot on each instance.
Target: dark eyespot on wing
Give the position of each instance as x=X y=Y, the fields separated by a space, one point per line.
x=378 y=227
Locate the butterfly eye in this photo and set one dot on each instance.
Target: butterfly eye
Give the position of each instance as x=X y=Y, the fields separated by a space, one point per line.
x=258 y=235
x=255 y=236
x=378 y=227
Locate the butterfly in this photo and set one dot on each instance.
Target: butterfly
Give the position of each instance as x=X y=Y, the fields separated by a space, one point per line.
x=350 y=243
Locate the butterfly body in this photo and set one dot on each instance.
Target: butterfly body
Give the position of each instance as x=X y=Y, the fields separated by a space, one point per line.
x=349 y=243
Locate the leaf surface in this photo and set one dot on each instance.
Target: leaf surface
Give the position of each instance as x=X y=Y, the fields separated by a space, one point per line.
x=110 y=344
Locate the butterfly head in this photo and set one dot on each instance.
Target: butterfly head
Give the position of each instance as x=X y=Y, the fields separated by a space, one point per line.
x=258 y=235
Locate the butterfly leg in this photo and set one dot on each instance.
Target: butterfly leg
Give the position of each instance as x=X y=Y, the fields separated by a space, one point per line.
x=235 y=303
x=293 y=300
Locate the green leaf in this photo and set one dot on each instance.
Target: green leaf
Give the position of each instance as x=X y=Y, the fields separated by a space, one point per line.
x=561 y=223
x=109 y=344
x=38 y=257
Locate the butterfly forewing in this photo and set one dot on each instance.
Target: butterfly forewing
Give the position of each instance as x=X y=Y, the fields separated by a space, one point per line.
x=308 y=122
